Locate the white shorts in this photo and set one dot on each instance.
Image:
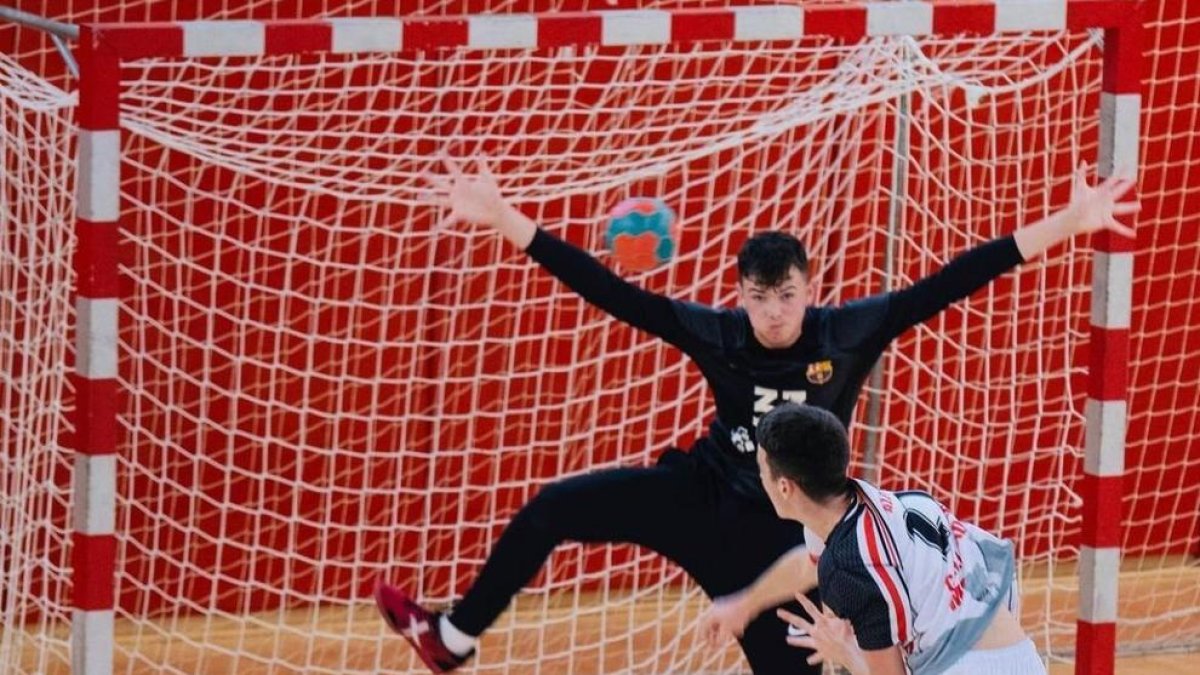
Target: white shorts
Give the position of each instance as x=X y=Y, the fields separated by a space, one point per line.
x=1019 y=659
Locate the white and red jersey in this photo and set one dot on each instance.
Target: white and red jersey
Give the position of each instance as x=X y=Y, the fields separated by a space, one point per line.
x=904 y=571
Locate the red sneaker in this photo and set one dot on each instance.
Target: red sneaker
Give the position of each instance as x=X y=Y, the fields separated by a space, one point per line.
x=419 y=627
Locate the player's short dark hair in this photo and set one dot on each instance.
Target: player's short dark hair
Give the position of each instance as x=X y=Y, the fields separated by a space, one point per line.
x=809 y=446
x=766 y=258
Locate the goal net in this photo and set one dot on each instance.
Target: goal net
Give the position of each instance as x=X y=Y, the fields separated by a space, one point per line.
x=322 y=383
x=36 y=280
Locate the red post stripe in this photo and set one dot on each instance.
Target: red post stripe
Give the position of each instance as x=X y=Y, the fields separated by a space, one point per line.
x=569 y=29
x=1101 y=497
x=897 y=604
x=99 y=84
x=1123 y=54
x=95 y=415
x=435 y=33
x=1108 y=363
x=144 y=40
x=92 y=557
x=292 y=37
x=693 y=26
x=1095 y=651
x=96 y=259
x=964 y=17
x=848 y=22
x=1084 y=14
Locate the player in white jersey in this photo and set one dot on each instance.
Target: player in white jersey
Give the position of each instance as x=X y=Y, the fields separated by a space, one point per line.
x=907 y=587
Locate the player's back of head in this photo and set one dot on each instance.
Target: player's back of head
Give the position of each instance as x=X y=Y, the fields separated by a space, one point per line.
x=807 y=445
x=768 y=257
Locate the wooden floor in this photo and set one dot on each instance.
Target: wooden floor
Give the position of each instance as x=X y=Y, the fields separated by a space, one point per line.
x=1174 y=664
x=651 y=633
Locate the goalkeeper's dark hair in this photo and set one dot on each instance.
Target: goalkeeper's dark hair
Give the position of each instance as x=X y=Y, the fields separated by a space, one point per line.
x=809 y=446
x=766 y=258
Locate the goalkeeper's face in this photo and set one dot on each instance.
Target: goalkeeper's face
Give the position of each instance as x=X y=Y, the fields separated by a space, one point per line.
x=776 y=311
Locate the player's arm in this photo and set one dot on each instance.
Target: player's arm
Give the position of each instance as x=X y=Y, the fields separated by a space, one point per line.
x=886 y=661
x=833 y=639
x=1091 y=209
x=863 y=623
x=477 y=199
x=875 y=321
x=794 y=572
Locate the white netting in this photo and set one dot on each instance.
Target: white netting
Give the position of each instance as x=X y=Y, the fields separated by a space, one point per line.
x=324 y=385
x=36 y=241
x=327 y=385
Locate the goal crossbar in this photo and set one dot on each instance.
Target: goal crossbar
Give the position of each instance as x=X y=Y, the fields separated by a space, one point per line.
x=851 y=21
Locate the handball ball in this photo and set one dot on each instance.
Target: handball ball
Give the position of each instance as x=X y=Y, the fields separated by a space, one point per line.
x=642 y=233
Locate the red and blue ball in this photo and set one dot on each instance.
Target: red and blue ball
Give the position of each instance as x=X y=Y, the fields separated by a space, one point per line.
x=642 y=233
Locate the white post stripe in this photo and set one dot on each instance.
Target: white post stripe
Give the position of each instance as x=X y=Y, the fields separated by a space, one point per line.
x=1112 y=288
x=768 y=23
x=1119 y=118
x=496 y=31
x=92 y=642
x=95 y=490
x=636 y=27
x=1022 y=15
x=99 y=190
x=1099 y=570
x=366 y=35
x=223 y=38
x=1104 y=450
x=899 y=18
x=96 y=338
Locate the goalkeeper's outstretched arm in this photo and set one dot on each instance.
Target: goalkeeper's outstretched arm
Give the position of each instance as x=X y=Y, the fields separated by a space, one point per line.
x=873 y=322
x=476 y=198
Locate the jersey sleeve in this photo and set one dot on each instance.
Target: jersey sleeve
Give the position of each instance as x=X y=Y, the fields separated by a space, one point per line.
x=856 y=596
x=683 y=324
x=874 y=321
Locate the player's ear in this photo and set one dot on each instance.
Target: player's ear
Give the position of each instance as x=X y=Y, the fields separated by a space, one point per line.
x=786 y=486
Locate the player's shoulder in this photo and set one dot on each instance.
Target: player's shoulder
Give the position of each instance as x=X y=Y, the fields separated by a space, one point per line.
x=843 y=548
x=715 y=326
x=878 y=497
x=870 y=533
x=847 y=558
x=855 y=322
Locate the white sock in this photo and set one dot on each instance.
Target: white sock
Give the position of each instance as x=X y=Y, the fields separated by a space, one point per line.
x=455 y=640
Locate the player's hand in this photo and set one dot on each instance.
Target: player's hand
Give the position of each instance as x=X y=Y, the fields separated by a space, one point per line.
x=725 y=620
x=831 y=638
x=1094 y=208
x=471 y=198
x=476 y=198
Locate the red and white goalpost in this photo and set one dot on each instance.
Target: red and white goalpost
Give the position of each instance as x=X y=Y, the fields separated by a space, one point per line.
x=291 y=378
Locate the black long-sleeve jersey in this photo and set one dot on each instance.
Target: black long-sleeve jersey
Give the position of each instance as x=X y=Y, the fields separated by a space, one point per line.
x=826 y=367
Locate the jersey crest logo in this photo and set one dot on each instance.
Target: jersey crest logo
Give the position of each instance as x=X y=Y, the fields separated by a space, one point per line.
x=820 y=372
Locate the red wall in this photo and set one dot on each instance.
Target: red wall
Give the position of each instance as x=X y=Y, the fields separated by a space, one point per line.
x=277 y=530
